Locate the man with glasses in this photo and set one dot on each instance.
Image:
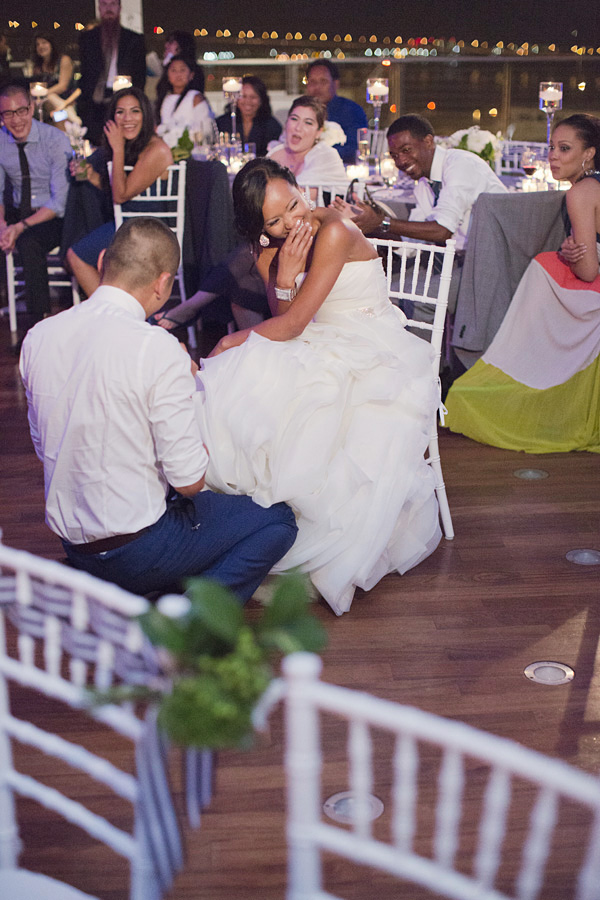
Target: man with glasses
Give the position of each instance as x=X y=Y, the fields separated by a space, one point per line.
x=33 y=160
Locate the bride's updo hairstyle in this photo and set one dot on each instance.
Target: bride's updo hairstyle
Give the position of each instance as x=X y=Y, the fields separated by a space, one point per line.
x=248 y=191
x=587 y=129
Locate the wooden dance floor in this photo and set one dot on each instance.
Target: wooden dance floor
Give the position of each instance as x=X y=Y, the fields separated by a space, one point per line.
x=453 y=636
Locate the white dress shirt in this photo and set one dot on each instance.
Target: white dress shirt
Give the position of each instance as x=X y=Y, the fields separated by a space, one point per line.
x=463 y=177
x=111 y=416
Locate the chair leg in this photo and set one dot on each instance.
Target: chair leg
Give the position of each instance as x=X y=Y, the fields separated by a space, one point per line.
x=440 y=488
x=12 y=294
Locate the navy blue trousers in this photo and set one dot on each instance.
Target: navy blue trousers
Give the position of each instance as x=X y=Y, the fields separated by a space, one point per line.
x=229 y=539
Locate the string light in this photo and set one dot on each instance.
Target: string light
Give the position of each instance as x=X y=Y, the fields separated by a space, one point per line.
x=79 y=26
x=431 y=105
x=57 y=24
x=34 y=25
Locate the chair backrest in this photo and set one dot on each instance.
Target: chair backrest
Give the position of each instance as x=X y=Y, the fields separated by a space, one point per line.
x=164 y=199
x=421 y=273
x=61 y=631
x=322 y=193
x=377 y=140
x=469 y=815
x=508 y=161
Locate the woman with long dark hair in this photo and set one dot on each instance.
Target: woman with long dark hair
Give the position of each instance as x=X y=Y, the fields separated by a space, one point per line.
x=255 y=122
x=50 y=66
x=536 y=386
x=129 y=140
x=178 y=104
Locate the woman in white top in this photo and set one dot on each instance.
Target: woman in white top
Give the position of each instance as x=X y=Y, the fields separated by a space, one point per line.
x=308 y=158
x=178 y=105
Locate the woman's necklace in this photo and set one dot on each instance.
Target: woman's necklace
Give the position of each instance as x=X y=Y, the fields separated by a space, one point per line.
x=293 y=163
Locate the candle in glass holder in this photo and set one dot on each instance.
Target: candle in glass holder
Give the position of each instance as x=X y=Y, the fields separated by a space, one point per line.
x=551 y=94
x=377 y=90
x=361 y=170
x=387 y=168
x=121 y=82
x=38 y=90
x=232 y=85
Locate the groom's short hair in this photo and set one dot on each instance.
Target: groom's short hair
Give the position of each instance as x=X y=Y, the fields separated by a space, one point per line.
x=141 y=250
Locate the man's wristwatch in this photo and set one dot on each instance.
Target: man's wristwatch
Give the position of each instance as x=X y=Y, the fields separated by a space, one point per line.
x=385 y=224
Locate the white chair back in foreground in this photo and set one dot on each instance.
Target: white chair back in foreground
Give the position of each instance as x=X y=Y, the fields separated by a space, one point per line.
x=62 y=631
x=520 y=802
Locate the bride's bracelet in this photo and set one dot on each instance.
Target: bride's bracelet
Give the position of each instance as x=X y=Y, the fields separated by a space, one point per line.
x=286 y=294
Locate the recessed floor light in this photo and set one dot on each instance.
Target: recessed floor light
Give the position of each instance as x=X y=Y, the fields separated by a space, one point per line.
x=531 y=474
x=584 y=557
x=341 y=807
x=549 y=673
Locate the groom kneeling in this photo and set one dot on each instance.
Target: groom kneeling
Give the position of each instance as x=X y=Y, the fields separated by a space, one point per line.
x=111 y=418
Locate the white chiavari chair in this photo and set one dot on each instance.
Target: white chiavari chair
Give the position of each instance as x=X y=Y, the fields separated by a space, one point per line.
x=421 y=273
x=164 y=199
x=508 y=161
x=468 y=815
x=15 y=284
x=62 y=631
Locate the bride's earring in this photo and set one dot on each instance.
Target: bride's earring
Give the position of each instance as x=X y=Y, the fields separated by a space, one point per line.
x=312 y=205
x=264 y=240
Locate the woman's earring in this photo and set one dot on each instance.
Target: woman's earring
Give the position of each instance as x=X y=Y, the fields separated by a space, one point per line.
x=264 y=240
x=312 y=204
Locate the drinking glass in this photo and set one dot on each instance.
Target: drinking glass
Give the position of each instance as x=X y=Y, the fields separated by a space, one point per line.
x=530 y=162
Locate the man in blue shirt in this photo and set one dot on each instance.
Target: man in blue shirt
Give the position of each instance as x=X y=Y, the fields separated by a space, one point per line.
x=322 y=82
x=34 y=157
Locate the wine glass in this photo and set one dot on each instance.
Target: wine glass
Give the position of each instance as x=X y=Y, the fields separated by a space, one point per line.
x=364 y=145
x=530 y=162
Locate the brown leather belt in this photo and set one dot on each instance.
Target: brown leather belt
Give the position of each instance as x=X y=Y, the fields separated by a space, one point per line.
x=106 y=544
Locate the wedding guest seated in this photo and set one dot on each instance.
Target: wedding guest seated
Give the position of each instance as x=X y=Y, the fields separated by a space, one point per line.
x=52 y=68
x=129 y=141
x=303 y=151
x=536 y=386
x=254 y=121
x=447 y=184
x=34 y=158
x=322 y=82
x=112 y=419
x=178 y=105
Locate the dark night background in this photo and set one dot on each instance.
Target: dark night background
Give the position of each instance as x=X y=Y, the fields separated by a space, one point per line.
x=507 y=20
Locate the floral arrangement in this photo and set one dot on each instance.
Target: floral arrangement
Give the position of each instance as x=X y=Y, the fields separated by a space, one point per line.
x=482 y=142
x=177 y=137
x=217 y=658
x=333 y=133
x=76 y=133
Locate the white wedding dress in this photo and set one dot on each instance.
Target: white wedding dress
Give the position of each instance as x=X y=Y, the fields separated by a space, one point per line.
x=336 y=423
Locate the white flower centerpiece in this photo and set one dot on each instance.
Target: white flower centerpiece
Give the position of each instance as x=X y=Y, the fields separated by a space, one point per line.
x=177 y=137
x=484 y=143
x=76 y=134
x=332 y=134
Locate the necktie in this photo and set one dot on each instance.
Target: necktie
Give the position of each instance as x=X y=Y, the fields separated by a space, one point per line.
x=436 y=187
x=25 y=204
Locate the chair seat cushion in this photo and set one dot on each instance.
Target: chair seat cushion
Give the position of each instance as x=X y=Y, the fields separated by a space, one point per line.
x=19 y=884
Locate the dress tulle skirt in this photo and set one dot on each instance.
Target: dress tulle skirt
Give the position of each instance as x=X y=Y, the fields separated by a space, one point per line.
x=335 y=423
x=537 y=387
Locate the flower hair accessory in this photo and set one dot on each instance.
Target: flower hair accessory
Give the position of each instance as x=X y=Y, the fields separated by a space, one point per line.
x=332 y=134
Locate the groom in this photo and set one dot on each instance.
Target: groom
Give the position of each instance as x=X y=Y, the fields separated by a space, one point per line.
x=112 y=419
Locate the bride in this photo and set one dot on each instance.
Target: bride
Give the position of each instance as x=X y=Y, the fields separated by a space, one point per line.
x=327 y=405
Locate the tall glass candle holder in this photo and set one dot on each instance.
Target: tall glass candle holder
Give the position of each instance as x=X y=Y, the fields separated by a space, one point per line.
x=232 y=88
x=551 y=97
x=39 y=92
x=378 y=93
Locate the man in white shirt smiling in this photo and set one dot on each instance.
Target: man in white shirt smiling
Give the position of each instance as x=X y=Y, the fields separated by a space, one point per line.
x=448 y=182
x=111 y=418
